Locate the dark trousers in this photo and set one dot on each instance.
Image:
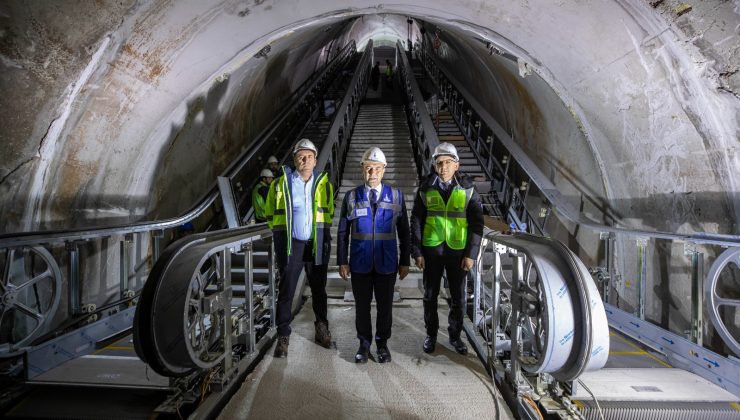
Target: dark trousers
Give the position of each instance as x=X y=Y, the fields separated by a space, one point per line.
x=456 y=276
x=363 y=287
x=301 y=258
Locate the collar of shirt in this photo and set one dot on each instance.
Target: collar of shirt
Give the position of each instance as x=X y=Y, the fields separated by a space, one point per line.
x=297 y=176
x=377 y=189
x=302 y=203
x=445 y=185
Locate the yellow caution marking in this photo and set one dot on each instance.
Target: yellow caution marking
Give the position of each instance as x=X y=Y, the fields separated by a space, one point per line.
x=736 y=406
x=646 y=353
x=114 y=348
x=629 y=353
x=579 y=404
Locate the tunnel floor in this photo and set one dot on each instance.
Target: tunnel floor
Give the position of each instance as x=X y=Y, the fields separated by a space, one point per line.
x=314 y=382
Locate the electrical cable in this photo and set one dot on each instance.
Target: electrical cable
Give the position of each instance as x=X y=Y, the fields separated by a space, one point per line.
x=598 y=406
x=533 y=404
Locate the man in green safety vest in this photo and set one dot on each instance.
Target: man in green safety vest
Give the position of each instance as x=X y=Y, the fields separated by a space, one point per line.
x=299 y=210
x=259 y=195
x=446 y=230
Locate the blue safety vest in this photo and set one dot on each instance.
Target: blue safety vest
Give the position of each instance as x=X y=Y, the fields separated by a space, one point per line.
x=374 y=242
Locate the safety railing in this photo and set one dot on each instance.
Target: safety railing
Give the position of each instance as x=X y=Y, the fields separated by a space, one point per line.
x=40 y=268
x=423 y=134
x=629 y=261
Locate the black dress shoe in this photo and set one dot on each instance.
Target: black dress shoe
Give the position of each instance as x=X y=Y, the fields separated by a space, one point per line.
x=384 y=355
x=362 y=354
x=459 y=346
x=429 y=344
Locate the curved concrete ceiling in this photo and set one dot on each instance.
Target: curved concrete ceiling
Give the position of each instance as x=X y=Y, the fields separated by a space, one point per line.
x=128 y=111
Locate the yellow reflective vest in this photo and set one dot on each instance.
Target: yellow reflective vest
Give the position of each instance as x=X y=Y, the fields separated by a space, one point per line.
x=446 y=222
x=279 y=213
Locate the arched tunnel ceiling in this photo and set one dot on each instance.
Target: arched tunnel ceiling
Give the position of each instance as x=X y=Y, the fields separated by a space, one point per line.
x=129 y=110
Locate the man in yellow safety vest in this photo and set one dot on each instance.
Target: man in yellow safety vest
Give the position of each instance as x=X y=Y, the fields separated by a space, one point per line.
x=299 y=210
x=446 y=230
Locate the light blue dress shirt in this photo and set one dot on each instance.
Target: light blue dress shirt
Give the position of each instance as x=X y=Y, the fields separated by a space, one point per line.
x=302 y=200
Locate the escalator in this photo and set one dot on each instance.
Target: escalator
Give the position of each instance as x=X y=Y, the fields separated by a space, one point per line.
x=97 y=360
x=205 y=316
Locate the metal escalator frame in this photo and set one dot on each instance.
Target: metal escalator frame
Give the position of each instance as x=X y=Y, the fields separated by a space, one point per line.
x=178 y=267
x=590 y=346
x=424 y=134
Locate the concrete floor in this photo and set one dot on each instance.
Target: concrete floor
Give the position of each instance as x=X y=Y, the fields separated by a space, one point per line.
x=314 y=382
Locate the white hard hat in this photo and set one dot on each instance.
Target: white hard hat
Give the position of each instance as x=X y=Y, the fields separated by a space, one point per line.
x=374 y=154
x=267 y=173
x=445 y=149
x=272 y=159
x=305 y=144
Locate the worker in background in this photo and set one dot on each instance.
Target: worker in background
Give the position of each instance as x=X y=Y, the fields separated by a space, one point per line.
x=299 y=210
x=389 y=73
x=259 y=195
x=375 y=76
x=274 y=166
x=446 y=230
x=374 y=216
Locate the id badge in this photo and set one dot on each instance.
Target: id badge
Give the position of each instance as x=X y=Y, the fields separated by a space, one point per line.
x=361 y=212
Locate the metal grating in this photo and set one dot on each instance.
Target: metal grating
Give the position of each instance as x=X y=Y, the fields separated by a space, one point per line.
x=623 y=410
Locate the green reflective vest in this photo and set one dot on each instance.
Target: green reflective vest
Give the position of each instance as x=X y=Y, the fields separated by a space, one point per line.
x=258 y=202
x=279 y=208
x=446 y=222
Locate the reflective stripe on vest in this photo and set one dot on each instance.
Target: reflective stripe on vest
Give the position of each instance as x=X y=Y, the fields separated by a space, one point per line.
x=373 y=244
x=323 y=198
x=446 y=222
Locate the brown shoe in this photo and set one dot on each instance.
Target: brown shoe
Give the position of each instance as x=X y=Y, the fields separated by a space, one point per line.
x=323 y=336
x=281 y=349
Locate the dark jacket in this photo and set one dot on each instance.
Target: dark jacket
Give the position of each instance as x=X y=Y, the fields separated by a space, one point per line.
x=473 y=213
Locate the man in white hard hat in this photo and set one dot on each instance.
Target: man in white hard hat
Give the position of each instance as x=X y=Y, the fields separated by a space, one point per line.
x=374 y=216
x=259 y=195
x=274 y=166
x=446 y=230
x=299 y=210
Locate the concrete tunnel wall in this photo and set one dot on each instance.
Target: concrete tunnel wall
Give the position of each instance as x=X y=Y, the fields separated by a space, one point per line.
x=631 y=110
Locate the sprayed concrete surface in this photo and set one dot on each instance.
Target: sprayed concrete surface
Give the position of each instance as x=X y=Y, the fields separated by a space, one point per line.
x=314 y=382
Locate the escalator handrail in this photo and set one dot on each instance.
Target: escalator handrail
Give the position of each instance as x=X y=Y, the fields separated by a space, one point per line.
x=426 y=138
x=80 y=234
x=552 y=194
x=343 y=112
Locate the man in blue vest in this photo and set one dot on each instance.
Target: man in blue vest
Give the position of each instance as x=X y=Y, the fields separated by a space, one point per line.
x=374 y=216
x=446 y=231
